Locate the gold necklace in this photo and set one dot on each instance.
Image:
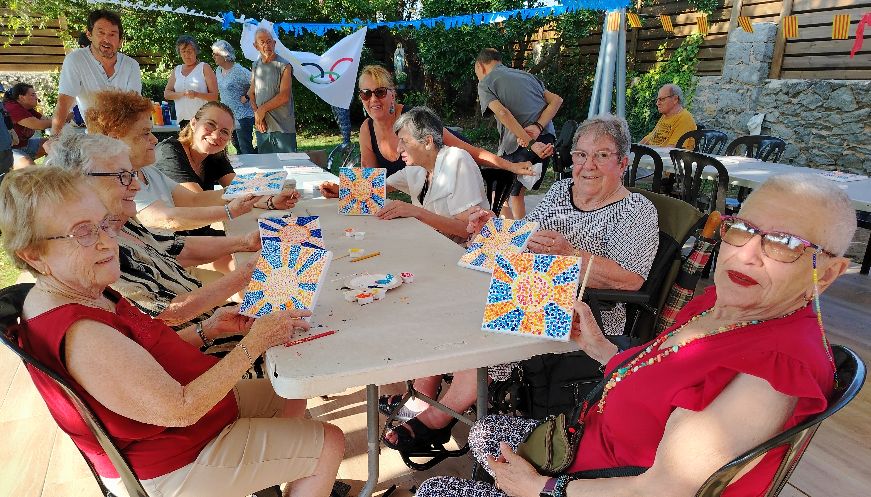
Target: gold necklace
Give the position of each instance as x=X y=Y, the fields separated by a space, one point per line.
x=100 y=302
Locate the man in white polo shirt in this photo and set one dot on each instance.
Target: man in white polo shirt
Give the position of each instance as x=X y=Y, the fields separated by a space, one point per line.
x=99 y=66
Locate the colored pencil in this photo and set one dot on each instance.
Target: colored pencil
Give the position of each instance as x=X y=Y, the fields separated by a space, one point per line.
x=309 y=338
x=586 y=276
x=373 y=254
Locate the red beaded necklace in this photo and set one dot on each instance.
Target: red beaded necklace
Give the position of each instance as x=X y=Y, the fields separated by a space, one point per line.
x=642 y=360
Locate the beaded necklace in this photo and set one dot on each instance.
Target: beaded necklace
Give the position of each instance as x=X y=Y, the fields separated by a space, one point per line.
x=639 y=361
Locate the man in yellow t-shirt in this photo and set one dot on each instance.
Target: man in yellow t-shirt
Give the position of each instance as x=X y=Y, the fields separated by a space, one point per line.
x=675 y=120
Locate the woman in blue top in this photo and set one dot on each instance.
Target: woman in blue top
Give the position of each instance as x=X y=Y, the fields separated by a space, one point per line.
x=233 y=83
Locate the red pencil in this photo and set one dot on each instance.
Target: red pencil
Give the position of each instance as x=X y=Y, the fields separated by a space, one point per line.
x=309 y=338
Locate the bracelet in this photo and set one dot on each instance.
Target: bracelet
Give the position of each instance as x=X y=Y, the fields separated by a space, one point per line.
x=245 y=349
x=539 y=126
x=269 y=203
x=227 y=210
x=207 y=342
x=559 y=490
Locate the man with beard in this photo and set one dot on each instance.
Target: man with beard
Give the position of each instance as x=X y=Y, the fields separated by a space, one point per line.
x=99 y=66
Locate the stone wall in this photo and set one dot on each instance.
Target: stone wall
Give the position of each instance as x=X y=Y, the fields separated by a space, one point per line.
x=825 y=122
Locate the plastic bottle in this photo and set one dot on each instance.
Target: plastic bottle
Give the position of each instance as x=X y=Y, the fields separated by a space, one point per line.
x=156 y=114
x=167 y=116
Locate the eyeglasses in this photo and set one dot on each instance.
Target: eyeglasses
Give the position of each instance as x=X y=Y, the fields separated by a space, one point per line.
x=781 y=247
x=378 y=92
x=87 y=234
x=660 y=99
x=580 y=157
x=125 y=177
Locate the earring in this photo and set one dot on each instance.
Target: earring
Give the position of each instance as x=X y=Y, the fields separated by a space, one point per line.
x=392 y=109
x=365 y=114
x=427 y=147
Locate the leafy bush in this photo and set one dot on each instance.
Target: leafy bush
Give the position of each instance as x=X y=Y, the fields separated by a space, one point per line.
x=679 y=69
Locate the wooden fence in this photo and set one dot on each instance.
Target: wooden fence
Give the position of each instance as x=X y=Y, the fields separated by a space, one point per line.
x=813 y=55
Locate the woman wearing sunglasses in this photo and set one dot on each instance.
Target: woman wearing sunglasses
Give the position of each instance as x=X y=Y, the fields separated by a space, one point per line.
x=378 y=142
x=185 y=422
x=745 y=360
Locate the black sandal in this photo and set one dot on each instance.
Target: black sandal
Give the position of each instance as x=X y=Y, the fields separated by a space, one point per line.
x=387 y=403
x=414 y=435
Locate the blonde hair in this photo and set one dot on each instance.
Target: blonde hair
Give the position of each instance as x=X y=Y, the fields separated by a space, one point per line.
x=822 y=195
x=186 y=135
x=27 y=194
x=379 y=74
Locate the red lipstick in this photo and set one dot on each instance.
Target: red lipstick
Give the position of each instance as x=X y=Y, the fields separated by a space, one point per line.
x=741 y=279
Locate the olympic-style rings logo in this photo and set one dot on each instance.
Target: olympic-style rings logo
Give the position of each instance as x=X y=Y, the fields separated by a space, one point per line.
x=321 y=78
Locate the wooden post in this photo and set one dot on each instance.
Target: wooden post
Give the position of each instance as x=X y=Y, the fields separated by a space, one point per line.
x=733 y=19
x=780 y=42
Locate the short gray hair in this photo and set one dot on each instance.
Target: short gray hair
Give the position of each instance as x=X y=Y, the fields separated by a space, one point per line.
x=614 y=127
x=186 y=40
x=676 y=91
x=264 y=30
x=225 y=50
x=822 y=195
x=421 y=122
x=78 y=152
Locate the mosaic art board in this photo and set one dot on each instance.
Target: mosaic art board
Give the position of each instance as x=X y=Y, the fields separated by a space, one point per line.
x=499 y=235
x=292 y=230
x=532 y=295
x=286 y=277
x=362 y=190
x=269 y=183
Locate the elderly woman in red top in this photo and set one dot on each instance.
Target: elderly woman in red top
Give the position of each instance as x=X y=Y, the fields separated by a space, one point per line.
x=185 y=422
x=745 y=360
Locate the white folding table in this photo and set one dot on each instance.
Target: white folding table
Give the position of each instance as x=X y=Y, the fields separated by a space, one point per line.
x=428 y=327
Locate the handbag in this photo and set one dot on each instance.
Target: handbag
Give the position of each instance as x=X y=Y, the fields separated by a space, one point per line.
x=551 y=446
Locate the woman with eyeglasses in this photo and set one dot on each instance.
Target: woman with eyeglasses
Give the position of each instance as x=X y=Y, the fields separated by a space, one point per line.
x=745 y=360
x=183 y=420
x=152 y=264
x=589 y=214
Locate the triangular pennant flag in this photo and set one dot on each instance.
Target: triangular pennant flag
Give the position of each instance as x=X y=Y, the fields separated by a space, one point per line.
x=790 y=27
x=702 y=23
x=841 y=27
x=745 y=23
x=634 y=20
x=860 y=33
x=613 y=21
x=666 y=23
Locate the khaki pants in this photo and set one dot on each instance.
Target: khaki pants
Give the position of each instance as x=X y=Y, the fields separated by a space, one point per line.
x=256 y=452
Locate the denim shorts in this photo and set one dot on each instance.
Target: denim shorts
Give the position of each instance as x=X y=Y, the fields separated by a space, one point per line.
x=28 y=150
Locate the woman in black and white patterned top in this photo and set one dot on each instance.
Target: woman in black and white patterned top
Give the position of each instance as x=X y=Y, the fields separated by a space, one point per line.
x=590 y=214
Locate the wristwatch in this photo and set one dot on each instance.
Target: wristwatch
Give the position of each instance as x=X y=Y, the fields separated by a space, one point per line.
x=548 y=490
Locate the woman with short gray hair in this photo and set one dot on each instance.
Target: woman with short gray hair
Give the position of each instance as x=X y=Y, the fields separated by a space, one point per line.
x=444 y=183
x=233 y=84
x=192 y=83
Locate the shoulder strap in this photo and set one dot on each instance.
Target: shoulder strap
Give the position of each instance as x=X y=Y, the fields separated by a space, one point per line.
x=593 y=396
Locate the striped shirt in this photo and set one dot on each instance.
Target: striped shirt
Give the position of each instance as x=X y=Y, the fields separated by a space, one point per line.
x=151 y=277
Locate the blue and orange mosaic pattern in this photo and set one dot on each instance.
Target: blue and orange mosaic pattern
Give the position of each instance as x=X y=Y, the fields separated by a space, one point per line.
x=269 y=183
x=292 y=230
x=499 y=235
x=532 y=295
x=362 y=190
x=286 y=277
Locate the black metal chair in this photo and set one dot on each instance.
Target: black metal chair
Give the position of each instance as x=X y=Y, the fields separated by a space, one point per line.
x=851 y=376
x=763 y=147
x=498 y=183
x=562 y=157
x=11 y=302
x=689 y=183
x=631 y=175
x=706 y=141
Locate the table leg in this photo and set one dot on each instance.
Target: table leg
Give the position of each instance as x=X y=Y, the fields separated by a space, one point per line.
x=483 y=385
x=372 y=435
x=866 y=261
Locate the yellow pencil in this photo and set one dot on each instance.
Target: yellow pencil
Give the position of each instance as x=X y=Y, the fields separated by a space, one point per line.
x=373 y=254
x=586 y=276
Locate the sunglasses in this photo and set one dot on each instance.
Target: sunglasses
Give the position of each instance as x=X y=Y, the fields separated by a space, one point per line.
x=781 y=247
x=125 y=177
x=378 y=92
x=87 y=234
